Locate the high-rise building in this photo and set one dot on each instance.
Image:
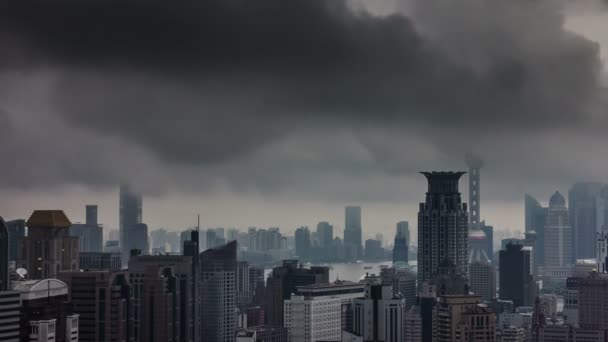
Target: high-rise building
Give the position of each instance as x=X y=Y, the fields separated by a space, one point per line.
x=130 y=209
x=403 y=228
x=489 y=232
x=535 y=223
x=593 y=302
x=601 y=252
x=174 y=291
x=101 y=298
x=218 y=293
x=400 y=249
x=380 y=315
x=515 y=275
x=302 y=237
x=558 y=246
x=91 y=214
x=353 y=230
x=4 y=256
x=16 y=232
x=94 y=261
x=191 y=249
x=461 y=318
x=10 y=312
x=413 y=325
x=325 y=232
x=403 y=281
x=601 y=210
x=373 y=250
x=315 y=313
x=474 y=163
x=283 y=281
x=257 y=284
x=582 y=213
x=48 y=248
x=140 y=240
x=243 y=294
x=90 y=234
x=482 y=275
x=442 y=226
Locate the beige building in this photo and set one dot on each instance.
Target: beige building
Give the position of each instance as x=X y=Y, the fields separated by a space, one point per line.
x=48 y=248
x=462 y=318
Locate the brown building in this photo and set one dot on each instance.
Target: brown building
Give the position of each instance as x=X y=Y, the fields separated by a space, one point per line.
x=463 y=318
x=101 y=298
x=48 y=248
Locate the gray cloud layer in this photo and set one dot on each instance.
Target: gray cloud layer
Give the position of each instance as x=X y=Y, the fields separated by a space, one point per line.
x=293 y=96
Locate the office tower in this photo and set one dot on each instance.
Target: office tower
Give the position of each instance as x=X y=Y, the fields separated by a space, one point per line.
x=403 y=281
x=130 y=209
x=558 y=246
x=283 y=281
x=403 y=228
x=94 y=261
x=442 y=226
x=315 y=313
x=191 y=249
x=535 y=222
x=379 y=316
x=325 y=234
x=4 y=256
x=140 y=240
x=373 y=250
x=582 y=213
x=601 y=252
x=91 y=214
x=400 y=249
x=593 y=302
x=482 y=275
x=170 y=278
x=257 y=284
x=353 y=229
x=243 y=294
x=302 y=236
x=90 y=238
x=461 y=318
x=218 y=293
x=101 y=298
x=48 y=248
x=515 y=277
x=601 y=210
x=212 y=238
x=16 y=232
x=474 y=163
x=10 y=319
x=46 y=300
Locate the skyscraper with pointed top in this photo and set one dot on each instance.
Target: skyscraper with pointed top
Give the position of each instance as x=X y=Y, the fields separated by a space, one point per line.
x=443 y=226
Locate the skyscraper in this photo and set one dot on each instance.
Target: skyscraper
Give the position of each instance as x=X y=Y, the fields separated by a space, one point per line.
x=130 y=215
x=218 y=293
x=48 y=248
x=442 y=226
x=379 y=316
x=474 y=163
x=4 y=256
x=558 y=246
x=91 y=214
x=16 y=232
x=403 y=228
x=302 y=237
x=325 y=233
x=482 y=274
x=191 y=249
x=90 y=234
x=582 y=199
x=400 y=249
x=516 y=280
x=535 y=222
x=352 y=228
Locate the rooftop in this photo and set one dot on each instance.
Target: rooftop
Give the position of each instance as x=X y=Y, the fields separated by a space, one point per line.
x=49 y=218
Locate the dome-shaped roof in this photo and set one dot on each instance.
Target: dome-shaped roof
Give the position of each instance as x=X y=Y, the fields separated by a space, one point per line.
x=557 y=200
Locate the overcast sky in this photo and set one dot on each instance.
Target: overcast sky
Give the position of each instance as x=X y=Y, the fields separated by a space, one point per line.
x=280 y=113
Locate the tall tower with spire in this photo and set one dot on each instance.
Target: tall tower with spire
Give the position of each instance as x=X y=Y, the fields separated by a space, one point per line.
x=474 y=163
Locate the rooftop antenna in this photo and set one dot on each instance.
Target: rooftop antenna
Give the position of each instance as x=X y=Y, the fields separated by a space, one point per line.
x=198 y=224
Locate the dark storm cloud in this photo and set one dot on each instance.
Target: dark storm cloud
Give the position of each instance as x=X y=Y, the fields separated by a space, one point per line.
x=214 y=82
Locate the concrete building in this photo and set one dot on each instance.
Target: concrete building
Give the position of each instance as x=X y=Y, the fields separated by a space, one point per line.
x=353 y=230
x=442 y=211
x=593 y=302
x=90 y=238
x=582 y=199
x=16 y=232
x=4 y=256
x=463 y=318
x=482 y=274
x=403 y=280
x=130 y=212
x=139 y=238
x=48 y=248
x=380 y=316
x=101 y=298
x=10 y=316
x=218 y=293
x=100 y=261
x=558 y=235
x=516 y=280
x=169 y=278
x=283 y=281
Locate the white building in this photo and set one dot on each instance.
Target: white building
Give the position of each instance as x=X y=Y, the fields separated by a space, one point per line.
x=315 y=313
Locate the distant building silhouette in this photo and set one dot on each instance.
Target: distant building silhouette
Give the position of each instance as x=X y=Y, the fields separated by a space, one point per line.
x=442 y=226
x=130 y=209
x=474 y=163
x=16 y=232
x=302 y=237
x=482 y=274
x=535 y=223
x=353 y=230
x=558 y=234
x=516 y=279
x=582 y=199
